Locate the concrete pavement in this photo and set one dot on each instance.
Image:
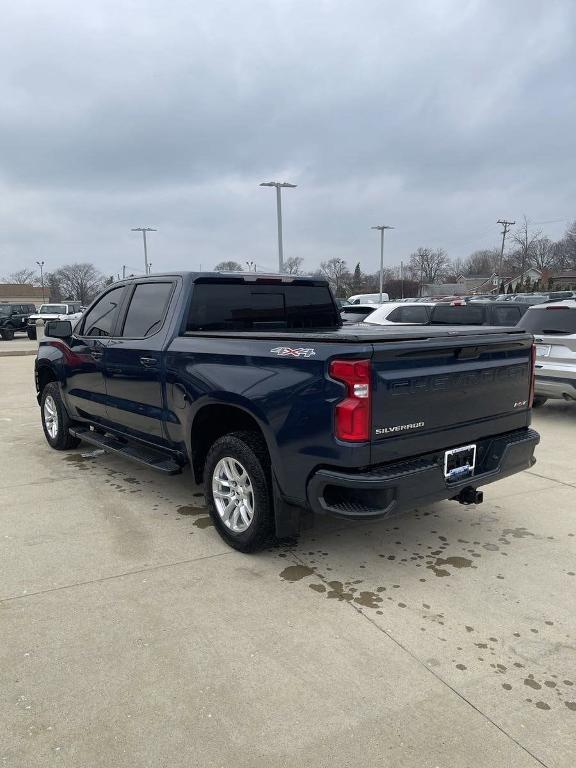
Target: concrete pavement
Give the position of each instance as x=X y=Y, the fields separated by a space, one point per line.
x=132 y=636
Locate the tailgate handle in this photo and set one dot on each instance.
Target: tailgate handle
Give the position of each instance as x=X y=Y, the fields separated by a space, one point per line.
x=468 y=353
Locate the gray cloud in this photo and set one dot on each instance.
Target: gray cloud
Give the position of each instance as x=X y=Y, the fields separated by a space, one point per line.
x=436 y=117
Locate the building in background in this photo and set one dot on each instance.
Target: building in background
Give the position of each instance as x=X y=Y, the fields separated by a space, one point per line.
x=16 y=293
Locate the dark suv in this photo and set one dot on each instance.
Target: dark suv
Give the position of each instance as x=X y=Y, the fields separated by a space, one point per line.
x=14 y=317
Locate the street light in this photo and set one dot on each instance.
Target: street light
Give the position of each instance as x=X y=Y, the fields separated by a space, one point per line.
x=41 y=265
x=144 y=230
x=382 y=227
x=279 y=185
x=251 y=266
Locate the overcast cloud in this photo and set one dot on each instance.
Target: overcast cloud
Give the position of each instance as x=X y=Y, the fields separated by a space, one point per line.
x=436 y=117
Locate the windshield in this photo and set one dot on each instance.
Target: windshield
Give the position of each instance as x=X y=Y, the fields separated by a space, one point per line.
x=4 y=309
x=552 y=321
x=52 y=309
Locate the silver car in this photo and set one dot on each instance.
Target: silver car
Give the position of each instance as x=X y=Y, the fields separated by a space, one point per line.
x=554 y=329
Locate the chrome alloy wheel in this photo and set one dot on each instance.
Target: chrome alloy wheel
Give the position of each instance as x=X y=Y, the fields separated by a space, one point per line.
x=233 y=494
x=51 y=417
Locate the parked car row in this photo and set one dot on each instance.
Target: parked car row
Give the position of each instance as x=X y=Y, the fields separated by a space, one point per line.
x=14 y=318
x=552 y=323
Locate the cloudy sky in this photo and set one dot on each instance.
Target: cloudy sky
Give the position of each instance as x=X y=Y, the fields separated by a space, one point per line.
x=436 y=117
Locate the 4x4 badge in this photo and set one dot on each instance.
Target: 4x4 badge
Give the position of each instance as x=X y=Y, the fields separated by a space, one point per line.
x=290 y=352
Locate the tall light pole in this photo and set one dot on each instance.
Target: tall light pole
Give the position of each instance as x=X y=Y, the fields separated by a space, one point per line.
x=279 y=185
x=41 y=265
x=144 y=230
x=251 y=266
x=382 y=227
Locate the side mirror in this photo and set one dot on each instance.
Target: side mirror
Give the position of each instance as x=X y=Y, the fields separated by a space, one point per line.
x=58 y=329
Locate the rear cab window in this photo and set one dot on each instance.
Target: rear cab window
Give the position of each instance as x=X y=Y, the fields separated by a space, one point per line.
x=221 y=305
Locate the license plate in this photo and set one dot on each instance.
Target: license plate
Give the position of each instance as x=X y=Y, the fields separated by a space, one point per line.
x=459 y=463
x=543 y=350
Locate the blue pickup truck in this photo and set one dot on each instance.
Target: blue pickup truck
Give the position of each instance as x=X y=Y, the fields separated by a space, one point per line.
x=252 y=382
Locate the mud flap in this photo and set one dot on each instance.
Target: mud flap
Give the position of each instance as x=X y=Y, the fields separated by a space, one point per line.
x=286 y=515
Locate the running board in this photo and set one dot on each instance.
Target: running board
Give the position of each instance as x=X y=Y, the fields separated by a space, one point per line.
x=141 y=454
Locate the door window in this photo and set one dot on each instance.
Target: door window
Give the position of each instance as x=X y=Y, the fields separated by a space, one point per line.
x=147 y=309
x=101 y=319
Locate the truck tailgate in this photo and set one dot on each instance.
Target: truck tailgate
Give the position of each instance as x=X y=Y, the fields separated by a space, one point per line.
x=448 y=392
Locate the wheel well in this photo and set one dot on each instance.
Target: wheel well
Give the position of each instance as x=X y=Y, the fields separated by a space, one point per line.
x=45 y=376
x=210 y=423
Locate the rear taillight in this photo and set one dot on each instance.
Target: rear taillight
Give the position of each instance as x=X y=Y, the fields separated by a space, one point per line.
x=532 y=375
x=352 y=415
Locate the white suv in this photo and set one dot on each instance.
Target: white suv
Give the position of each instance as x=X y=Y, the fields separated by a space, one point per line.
x=554 y=329
x=66 y=311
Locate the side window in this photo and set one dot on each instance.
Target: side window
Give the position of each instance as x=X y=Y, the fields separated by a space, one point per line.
x=147 y=309
x=409 y=315
x=102 y=317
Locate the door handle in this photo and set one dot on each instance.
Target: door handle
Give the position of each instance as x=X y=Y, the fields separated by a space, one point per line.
x=149 y=362
x=96 y=355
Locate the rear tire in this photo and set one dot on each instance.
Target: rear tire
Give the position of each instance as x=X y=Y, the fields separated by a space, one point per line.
x=538 y=402
x=55 y=420
x=238 y=490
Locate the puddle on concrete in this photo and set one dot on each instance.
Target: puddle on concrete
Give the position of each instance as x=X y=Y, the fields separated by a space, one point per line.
x=203 y=522
x=454 y=562
x=296 y=572
x=188 y=509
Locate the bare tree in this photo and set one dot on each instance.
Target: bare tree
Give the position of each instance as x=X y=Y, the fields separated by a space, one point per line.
x=293 y=265
x=337 y=274
x=80 y=282
x=228 y=266
x=22 y=277
x=429 y=264
x=543 y=254
x=566 y=249
x=482 y=263
x=525 y=240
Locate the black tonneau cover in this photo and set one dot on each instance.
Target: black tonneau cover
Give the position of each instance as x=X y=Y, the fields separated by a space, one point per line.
x=366 y=334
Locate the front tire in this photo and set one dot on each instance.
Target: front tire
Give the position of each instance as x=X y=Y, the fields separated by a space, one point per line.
x=538 y=402
x=7 y=334
x=31 y=334
x=55 y=420
x=239 y=492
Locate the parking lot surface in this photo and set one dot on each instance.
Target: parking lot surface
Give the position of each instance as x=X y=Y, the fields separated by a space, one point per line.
x=132 y=636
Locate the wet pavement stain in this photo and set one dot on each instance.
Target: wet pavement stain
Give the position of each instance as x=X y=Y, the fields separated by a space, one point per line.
x=517 y=533
x=317 y=587
x=187 y=509
x=204 y=522
x=296 y=572
x=454 y=562
x=571 y=705
x=542 y=705
x=531 y=683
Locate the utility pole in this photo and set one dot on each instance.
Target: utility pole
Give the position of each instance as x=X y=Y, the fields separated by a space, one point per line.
x=402 y=277
x=251 y=266
x=382 y=227
x=41 y=265
x=505 y=226
x=279 y=185
x=144 y=230
x=123 y=271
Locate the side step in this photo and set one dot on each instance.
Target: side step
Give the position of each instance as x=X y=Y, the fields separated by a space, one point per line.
x=141 y=454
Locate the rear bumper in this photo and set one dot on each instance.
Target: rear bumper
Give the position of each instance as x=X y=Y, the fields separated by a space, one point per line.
x=555 y=387
x=391 y=488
